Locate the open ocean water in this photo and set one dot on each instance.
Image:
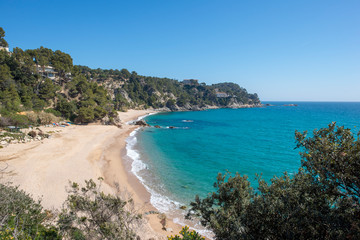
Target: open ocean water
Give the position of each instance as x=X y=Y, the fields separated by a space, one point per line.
x=176 y=164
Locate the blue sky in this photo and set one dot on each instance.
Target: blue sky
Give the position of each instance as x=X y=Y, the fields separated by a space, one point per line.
x=282 y=50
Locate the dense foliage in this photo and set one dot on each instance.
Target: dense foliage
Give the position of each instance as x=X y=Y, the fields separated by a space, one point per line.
x=69 y=95
x=23 y=218
x=320 y=201
x=3 y=42
x=91 y=214
x=88 y=213
x=132 y=90
x=185 y=234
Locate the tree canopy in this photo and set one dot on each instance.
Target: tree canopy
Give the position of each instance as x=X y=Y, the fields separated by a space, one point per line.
x=3 y=42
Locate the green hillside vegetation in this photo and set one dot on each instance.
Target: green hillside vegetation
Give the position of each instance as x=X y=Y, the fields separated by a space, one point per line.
x=131 y=90
x=70 y=95
x=46 y=80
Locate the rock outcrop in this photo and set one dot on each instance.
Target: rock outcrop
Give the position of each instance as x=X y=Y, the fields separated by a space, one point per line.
x=142 y=123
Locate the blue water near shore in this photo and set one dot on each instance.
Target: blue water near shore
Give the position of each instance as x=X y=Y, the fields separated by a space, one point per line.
x=176 y=164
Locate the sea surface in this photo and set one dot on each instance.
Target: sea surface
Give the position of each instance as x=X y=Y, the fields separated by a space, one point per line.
x=177 y=163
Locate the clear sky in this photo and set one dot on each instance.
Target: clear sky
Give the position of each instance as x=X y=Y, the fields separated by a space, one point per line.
x=282 y=50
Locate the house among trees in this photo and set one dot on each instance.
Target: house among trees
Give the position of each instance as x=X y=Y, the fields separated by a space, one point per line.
x=4 y=49
x=47 y=72
x=190 y=81
x=222 y=95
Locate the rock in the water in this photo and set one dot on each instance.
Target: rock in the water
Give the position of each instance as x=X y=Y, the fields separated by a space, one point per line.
x=157 y=126
x=141 y=123
x=171 y=127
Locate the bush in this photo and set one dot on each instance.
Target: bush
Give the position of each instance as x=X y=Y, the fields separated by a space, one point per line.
x=53 y=112
x=91 y=214
x=18 y=120
x=187 y=235
x=33 y=118
x=86 y=115
x=47 y=118
x=5 y=121
x=32 y=134
x=23 y=218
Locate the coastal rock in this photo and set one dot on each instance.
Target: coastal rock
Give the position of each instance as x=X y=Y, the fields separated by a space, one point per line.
x=157 y=126
x=171 y=127
x=141 y=123
x=290 y=105
x=111 y=121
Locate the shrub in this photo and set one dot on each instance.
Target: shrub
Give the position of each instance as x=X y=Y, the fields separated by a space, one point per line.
x=18 y=120
x=86 y=115
x=46 y=118
x=23 y=218
x=32 y=134
x=89 y=213
x=187 y=235
x=5 y=121
x=33 y=118
x=53 y=112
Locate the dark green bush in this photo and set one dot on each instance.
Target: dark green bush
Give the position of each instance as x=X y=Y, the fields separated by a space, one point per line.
x=53 y=111
x=89 y=213
x=23 y=218
x=187 y=235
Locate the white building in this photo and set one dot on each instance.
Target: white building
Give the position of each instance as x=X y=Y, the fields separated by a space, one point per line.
x=46 y=71
x=4 y=49
x=222 y=95
x=190 y=81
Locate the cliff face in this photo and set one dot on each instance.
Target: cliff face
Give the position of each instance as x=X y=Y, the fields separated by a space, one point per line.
x=130 y=90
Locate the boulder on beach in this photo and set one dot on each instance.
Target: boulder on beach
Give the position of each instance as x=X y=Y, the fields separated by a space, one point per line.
x=141 y=123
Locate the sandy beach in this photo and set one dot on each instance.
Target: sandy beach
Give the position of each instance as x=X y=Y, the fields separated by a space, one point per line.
x=77 y=153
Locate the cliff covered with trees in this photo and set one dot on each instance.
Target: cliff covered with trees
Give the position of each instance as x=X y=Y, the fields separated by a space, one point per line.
x=130 y=90
x=45 y=80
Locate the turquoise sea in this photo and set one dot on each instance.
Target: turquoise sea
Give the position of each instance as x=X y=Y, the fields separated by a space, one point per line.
x=176 y=164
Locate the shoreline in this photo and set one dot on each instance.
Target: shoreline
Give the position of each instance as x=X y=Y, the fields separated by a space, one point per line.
x=158 y=201
x=77 y=153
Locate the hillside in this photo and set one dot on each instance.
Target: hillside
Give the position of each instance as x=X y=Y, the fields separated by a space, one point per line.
x=130 y=90
x=46 y=80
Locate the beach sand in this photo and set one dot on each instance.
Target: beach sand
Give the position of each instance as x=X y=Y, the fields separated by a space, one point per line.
x=77 y=153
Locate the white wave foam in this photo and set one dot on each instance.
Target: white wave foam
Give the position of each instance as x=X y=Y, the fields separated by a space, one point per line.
x=141 y=117
x=162 y=203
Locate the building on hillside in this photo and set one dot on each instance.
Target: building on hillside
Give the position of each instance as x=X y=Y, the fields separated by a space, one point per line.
x=221 y=95
x=47 y=72
x=190 y=81
x=4 y=49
